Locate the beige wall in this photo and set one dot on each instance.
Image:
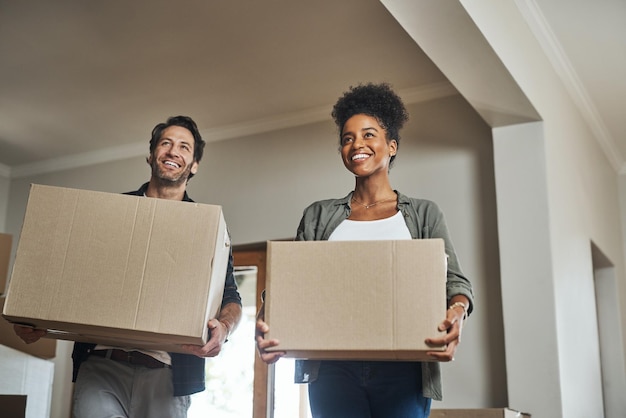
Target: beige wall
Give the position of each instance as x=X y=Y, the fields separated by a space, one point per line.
x=557 y=198
x=265 y=181
x=4 y=199
x=583 y=207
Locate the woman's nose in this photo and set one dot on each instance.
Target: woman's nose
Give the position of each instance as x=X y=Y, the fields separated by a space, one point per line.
x=358 y=142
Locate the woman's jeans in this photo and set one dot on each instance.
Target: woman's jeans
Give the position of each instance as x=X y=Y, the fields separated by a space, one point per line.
x=368 y=389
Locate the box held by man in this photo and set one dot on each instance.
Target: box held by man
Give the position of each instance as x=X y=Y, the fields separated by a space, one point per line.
x=118 y=269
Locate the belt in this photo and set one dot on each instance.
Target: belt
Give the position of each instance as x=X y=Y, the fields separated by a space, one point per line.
x=131 y=357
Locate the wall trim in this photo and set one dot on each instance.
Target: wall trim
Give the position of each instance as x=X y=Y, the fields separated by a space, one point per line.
x=414 y=95
x=563 y=66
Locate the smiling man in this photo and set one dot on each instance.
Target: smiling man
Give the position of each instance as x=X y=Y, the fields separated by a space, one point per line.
x=126 y=382
x=175 y=152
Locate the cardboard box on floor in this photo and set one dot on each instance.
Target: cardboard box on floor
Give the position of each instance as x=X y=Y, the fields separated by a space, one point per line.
x=5 y=254
x=44 y=348
x=116 y=269
x=13 y=406
x=477 y=413
x=355 y=299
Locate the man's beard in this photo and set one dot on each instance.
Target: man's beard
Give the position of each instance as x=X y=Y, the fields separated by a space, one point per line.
x=165 y=177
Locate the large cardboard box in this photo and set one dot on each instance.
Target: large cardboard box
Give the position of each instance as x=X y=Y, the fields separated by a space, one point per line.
x=13 y=406
x=478 y=413
x=116 y=269
x=44 y=348
x=356 y=299
x=23 y=374
x=5 y=254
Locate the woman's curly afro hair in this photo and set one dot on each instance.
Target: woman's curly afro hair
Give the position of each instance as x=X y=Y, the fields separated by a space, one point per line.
x=376 y=100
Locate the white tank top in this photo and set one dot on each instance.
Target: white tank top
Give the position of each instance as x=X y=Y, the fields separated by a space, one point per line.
x=390 y=228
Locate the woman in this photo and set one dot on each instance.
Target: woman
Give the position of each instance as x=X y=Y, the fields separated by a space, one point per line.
x=369 y=118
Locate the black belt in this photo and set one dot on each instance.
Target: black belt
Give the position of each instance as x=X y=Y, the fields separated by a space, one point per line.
x=130 y=357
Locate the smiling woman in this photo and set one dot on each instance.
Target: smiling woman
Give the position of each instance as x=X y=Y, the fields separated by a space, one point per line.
x=369 y=118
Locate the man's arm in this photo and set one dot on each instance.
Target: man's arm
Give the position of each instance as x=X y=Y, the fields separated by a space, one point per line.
x=227 y=320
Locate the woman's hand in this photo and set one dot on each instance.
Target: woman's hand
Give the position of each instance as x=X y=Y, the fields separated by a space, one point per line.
x=453 y=325
x=262 y=344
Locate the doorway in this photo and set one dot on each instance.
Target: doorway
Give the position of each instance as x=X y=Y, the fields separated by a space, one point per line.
x=609 y=335
x=239 y=384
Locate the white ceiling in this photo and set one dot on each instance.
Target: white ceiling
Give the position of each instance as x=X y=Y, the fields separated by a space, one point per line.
x=80 y=79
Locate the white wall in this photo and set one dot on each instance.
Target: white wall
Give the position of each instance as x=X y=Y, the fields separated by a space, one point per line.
x=528 y=292
x=622 y=195
x=583 y=207
x=265 y=181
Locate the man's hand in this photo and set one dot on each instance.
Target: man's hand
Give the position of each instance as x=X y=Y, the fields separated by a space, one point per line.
x=219 y=333
x=220 y=328
x=27 y=334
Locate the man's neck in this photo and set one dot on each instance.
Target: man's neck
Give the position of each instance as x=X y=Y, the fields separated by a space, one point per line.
x=162 y=191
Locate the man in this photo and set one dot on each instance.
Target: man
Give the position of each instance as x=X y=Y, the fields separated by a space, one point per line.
x=123 y=382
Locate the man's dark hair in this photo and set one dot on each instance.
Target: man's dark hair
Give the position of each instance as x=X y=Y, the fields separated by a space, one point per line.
x=376 y=100
x=184 y=122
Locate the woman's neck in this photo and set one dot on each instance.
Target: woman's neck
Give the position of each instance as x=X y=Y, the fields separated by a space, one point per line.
x=368 y=191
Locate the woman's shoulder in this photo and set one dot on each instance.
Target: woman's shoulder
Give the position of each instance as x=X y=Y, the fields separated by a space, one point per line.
x=326 y=204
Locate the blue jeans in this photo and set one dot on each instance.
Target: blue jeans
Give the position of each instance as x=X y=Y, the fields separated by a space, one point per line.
x=368 y=389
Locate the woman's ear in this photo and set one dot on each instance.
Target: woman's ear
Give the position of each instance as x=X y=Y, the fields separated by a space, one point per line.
x=393 y=147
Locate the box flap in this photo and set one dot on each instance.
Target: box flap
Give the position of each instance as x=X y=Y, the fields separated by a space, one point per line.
x=478 y=413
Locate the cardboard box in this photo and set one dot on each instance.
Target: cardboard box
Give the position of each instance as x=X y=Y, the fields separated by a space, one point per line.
x=356 y=299
x=44 y=348
x=5 y=255
x=13 y=406
x=477 y=413
x=22 y=374
x=116 y=269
